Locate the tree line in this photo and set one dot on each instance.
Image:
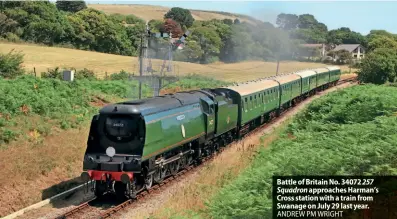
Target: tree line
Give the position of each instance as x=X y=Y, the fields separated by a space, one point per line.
x=72 y=24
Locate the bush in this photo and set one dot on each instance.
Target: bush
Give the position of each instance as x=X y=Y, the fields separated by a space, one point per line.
x=379 y=66
x=79 y=74
x=85 y=73
x=11 y=64
x=12 y=37
x=122 y=75
x=52 y=73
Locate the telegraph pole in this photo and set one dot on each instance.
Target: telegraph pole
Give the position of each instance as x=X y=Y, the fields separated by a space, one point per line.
x=140 y=67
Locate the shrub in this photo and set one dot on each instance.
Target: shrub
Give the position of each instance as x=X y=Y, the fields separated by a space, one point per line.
x=379 y=66
x=12 y=37
x=79 y=74
x=52 y=73
x=85 y=73
x=11 y=64
x=122 y=75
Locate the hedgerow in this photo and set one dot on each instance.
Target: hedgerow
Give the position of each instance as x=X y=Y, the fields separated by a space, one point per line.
x=353 y=131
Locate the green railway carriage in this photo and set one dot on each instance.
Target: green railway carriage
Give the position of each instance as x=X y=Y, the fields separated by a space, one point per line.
x=335 y=73
x=290 y=86
x=308 y=80
x=322 y=76
x=255 y=99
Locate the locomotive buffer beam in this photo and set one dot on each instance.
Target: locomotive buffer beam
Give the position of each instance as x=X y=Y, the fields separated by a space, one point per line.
x=156 y=81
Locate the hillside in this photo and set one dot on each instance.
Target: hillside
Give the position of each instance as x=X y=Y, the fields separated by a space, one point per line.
x=148 y=12
x=42 y=58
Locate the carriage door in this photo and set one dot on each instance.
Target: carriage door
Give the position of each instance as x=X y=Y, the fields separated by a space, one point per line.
x=208 y=107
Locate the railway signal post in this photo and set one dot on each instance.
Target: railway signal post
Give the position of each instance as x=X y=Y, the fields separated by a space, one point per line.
x=165 y=74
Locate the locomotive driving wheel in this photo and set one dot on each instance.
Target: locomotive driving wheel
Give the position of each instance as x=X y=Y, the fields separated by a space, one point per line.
x=183 y=162
x=159 y=175
x=148 y=181
x=174 y=167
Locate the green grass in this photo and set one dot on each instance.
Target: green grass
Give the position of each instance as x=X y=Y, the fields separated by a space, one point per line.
x=29 y=104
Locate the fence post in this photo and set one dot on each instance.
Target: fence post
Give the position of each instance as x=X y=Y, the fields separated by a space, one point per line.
x=34 y=70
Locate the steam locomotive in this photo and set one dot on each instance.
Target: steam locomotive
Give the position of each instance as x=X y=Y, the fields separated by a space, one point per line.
x=133 y=145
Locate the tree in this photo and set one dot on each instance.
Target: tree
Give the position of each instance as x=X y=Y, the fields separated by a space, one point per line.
x=71 y=6
x=304 y=27
x=382 y=41
x=7 y=25
x=192 y=52
x=228 y=21
x=343 y=56
x=180 y=15
x=237 y=21
x=173 y=27
x=376 y=33
x=379 y=66
x=209 y=42
x=287 y=21
x=307 y=21
x=309 y=35
x=344 y=35
x=155 y=25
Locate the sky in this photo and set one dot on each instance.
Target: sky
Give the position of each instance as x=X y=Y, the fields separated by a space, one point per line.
x=359 y=16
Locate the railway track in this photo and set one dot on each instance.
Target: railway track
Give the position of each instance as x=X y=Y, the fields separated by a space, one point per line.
x=88 y=210
x=350 y=79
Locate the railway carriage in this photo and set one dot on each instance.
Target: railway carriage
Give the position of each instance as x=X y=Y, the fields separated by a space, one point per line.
x=322 y=77
x=308 y=81
x=290 y=88
x=256 y=99
x=335 y=74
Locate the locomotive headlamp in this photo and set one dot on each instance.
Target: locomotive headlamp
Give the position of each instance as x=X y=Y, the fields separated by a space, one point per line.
x=110 y=151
